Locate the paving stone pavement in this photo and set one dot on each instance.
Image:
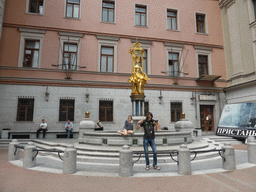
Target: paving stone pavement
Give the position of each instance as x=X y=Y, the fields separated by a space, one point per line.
x=18 y=179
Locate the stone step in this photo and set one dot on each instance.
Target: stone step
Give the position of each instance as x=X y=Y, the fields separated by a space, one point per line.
x=4 y=143
x=102 y=150
x=110 y=154
x=224 y=139
x=115 y=160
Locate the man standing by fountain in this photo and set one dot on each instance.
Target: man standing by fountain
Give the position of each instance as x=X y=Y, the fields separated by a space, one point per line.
x=149 y=126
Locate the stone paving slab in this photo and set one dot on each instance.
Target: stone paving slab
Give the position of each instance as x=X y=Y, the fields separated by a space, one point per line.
x=213 y=165
x=17 y=179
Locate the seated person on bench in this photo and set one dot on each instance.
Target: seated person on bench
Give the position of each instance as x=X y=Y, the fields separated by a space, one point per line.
x=42 y=127
x=69 y=127
x=128 y=126
x=98 y=126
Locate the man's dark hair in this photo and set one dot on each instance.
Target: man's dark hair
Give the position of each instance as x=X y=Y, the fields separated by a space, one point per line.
x=149 y=113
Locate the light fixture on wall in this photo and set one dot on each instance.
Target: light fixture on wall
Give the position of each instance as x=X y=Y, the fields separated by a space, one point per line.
x=87 y=95
x=160 y=97
x=46 y=94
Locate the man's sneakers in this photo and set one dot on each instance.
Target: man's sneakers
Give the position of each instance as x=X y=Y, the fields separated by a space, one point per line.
x=157 y=167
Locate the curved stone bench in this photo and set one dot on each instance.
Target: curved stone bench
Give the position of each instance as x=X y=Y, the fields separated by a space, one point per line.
x=115 y=139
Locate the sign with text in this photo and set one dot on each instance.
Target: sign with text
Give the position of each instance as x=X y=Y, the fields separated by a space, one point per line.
x=207 y=97
x=238 y=120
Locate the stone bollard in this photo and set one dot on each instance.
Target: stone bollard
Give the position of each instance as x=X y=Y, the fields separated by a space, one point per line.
x=125 y=162
x=251 y=150
x=184 y=163
x=29 y=160
x=69 y=161
x=11 y=150
x=229 y=154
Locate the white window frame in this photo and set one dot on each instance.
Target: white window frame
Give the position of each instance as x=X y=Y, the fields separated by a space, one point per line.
x=146 y=15
x=71 y=38
x=27 y=8
x=108 y=42
x=114 y=22
x=204 y=51
x=174 y=48
x=205 y=23
x=33 y=34
x=146 y=45
x=65 y=11
x=178 y=20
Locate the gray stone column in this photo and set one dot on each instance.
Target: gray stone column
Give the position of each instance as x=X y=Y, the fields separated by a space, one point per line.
x=139 y=108
x=125 y=162
x=229 y=154
x=184 y=163
x=251 y=149
x=11 y=150
x=133 y=108
x=69 y=161
x=28 y=160
x=143 y=108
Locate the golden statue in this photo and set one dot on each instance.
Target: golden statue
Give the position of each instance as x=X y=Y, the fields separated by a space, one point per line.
x=138 y=78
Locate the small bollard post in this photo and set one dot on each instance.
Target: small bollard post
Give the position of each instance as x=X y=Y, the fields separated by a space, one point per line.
x=12 y=149
x=251 y=149
x=229 y=163
x=69 y=161
x=29 y=159
x=125 y=162
x=184 y=163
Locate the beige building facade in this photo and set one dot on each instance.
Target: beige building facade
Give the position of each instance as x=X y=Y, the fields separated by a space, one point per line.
x=239 y=29
x=59 y=59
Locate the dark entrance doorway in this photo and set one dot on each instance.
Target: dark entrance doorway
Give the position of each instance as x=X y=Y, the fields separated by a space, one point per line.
x=206 y=118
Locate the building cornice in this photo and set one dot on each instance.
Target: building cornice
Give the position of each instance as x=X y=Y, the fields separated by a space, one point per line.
x=100 y=84
x=107 y=38
x=115 y=35
x=226 y=3
x=31 y=30
x=241 y=85
x=71 y=34
x=98 y=73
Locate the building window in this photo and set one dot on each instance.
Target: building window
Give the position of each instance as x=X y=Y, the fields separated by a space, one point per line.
x=146 y=107
x=70 y=56
x=31 y=53
x=72 y=9
x=108 y=10
x=200 y=23
x=25 y=109
x=31 y=45
x=107 y=53
x=36 y=6
x=176 y=111
x=67 y=110
x=144 y=66
x=140 y=15
x=106 y=110
x=203 y=65
x=107 y=59
x=172 y=19
x=173 y=60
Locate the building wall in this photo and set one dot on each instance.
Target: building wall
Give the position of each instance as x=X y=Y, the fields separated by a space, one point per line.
x=17 y=80
x=238 y=19
x=49 y=110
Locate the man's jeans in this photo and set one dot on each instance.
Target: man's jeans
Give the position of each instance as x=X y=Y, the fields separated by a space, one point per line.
x=152 y=143
x=69 y=130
